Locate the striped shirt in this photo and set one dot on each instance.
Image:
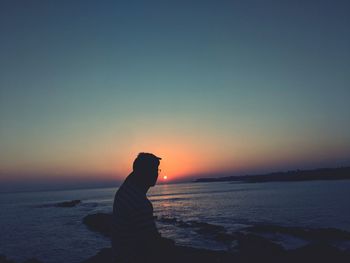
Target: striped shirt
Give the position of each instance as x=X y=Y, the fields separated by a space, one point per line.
x=133 y=222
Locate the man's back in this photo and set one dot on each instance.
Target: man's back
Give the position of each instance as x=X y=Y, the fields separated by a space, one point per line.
x=134 y=228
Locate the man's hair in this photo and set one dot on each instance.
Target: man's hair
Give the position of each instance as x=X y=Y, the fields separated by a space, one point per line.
x=145 y=161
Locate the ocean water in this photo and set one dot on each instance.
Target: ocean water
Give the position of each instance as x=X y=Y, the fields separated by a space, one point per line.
x=31 y=227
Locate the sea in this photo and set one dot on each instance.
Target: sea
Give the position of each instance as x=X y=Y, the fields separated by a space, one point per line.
x=31 y=226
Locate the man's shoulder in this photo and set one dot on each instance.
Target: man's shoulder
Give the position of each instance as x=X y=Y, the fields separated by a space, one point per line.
x=127 y=189
x=128 y=197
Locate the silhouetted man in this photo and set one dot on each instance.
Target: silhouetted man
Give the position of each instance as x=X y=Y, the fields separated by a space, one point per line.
x=135 y=236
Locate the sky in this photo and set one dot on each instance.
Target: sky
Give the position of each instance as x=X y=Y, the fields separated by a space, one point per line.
x=212 y=87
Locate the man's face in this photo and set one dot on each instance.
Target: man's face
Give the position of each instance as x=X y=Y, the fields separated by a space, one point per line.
x=154 y=175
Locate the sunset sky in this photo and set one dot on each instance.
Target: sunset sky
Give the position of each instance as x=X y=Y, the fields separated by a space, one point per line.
x=212 y=87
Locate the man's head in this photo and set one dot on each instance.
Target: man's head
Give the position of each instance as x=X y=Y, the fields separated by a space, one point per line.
x=145 y=168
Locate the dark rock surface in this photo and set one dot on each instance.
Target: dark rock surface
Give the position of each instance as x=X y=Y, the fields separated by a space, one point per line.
x=179 y=255
x=68 y=203
x=251 y=246
x=257 y=252
x=32 y=260
x=100 y=222
x=318 y=252
x=3 y=259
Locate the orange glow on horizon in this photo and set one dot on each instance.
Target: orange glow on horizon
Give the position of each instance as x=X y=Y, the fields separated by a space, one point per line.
x=185 y=153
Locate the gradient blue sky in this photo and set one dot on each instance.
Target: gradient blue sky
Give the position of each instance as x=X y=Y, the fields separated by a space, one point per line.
x=210 y=86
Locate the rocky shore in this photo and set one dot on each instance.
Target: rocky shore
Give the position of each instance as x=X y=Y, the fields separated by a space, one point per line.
x=251 y=244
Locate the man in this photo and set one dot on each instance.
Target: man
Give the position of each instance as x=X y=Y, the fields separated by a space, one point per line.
x=135 y=237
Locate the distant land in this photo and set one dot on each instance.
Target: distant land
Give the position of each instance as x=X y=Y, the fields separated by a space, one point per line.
x=341 y=173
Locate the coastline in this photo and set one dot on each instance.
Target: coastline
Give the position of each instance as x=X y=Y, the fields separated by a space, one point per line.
x=342 y=173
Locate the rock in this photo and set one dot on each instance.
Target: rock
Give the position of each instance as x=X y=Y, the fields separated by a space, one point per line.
x=3 y=259
x=214 y=231
x=317 y=234
x=190 y=255
x=100 y=222
x=225 y=237
x=68 y=203
x=105 y=255
x=318 y=252
x=32 y=260
x=251 y=246
x=257 y=246
x=179 y=254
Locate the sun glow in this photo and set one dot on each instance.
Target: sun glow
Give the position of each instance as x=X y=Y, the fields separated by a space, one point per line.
x=182 y=155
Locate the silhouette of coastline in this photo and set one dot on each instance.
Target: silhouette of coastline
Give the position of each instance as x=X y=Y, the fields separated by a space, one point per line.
x=342 y=173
